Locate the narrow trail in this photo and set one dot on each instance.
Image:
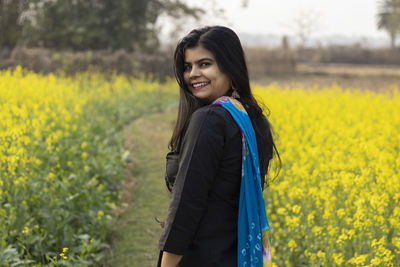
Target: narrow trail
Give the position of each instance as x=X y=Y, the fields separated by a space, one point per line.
x=135 y=235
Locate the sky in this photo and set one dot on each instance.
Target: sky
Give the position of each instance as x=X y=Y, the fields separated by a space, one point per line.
x=351 y=18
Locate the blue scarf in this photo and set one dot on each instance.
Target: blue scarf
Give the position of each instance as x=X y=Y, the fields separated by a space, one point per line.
x=254 y=239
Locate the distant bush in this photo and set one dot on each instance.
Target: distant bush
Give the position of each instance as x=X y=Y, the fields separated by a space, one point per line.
x=348 y=54
x=159 y=64
x=41 y=60
x=263 y=61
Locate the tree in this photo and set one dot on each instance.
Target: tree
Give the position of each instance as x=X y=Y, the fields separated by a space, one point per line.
x=304 y=25
x=389 y=19
x=179 y=26
x=10 y=26
x=98 y=24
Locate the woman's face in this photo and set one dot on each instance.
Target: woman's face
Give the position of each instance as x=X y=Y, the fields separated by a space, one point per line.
x=202 y=75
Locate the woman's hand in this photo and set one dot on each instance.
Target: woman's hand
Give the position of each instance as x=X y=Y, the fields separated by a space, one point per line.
x=170 y=259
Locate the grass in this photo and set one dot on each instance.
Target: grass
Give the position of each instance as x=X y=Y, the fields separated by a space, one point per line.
x=134 y=241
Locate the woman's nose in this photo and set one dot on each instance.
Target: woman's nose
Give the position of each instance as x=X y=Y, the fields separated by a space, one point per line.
x=194 y=72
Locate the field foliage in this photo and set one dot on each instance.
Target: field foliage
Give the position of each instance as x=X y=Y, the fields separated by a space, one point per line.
x=62 y=161
x=337 y=199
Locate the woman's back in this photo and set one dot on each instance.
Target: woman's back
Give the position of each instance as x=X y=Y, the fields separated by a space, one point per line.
x=202 y=222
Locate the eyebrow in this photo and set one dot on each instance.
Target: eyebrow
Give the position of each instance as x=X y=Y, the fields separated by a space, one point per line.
x=199 y=60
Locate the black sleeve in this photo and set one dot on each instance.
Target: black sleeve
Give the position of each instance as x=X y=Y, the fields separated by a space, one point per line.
x=201 y=151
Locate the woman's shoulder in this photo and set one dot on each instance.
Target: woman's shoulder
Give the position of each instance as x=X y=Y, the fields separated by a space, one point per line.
x=211 y=112
x=215 y=118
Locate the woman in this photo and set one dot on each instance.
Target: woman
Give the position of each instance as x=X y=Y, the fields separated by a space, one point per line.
x=205 y=226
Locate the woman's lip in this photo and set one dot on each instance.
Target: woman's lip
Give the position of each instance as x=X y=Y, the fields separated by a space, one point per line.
x=200 y=87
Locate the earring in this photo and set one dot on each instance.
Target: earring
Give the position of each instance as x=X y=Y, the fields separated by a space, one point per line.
x=235 y=93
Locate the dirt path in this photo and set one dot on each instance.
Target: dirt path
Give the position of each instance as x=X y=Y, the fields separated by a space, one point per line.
x=135 y=237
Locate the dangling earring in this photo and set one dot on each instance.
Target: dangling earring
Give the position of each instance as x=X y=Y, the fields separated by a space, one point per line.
x=235 y=93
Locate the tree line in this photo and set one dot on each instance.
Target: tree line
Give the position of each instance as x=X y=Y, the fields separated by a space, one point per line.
x=87 y=24
x=109 y=24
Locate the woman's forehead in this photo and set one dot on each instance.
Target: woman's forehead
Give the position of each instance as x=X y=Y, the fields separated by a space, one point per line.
x=197 y=53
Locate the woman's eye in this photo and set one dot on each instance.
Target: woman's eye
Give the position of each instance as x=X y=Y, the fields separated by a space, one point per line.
x=187 y=67
x=204 y=64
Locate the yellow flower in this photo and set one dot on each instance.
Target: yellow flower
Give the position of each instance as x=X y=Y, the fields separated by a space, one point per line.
x=100 y=214
x=396 y=242
x=84 y=145
x=281 y=211
x=351 y=233
x=292 y=222
x=376 y=243
x=317 y=230
x=292 y=244
x=310 y=218
x=51 y=176
x=338 y=258
x=321 y=254
x=340 y=213
x=25 y=230
x=341 y=239
x=376 y=261
x=296 y=209
x=358 y=259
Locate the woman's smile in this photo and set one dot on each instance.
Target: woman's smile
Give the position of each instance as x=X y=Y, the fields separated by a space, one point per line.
x=199 y=85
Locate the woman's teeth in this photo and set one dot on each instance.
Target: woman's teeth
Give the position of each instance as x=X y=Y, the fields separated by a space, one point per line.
x=199 y=85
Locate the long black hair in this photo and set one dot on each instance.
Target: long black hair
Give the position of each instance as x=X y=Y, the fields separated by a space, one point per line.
x=225 y=45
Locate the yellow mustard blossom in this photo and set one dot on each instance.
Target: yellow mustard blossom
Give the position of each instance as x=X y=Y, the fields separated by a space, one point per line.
x=340 y=155
x=26 y=230
x=292 y=244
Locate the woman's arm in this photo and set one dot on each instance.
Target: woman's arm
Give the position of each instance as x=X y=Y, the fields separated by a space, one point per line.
x=170 y=259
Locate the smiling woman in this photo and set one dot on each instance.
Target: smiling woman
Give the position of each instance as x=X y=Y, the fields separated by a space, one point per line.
x=216 y=215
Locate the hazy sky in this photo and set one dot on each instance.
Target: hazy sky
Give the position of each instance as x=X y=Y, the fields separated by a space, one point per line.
x=345 y=17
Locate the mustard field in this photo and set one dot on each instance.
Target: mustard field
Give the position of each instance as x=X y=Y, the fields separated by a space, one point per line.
x=62 y=162
x=336 y=201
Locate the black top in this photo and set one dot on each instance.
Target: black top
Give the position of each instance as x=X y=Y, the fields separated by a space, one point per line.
x=202 y=219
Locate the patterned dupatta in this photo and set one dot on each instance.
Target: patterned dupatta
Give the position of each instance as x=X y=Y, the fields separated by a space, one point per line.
x=254 y=240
